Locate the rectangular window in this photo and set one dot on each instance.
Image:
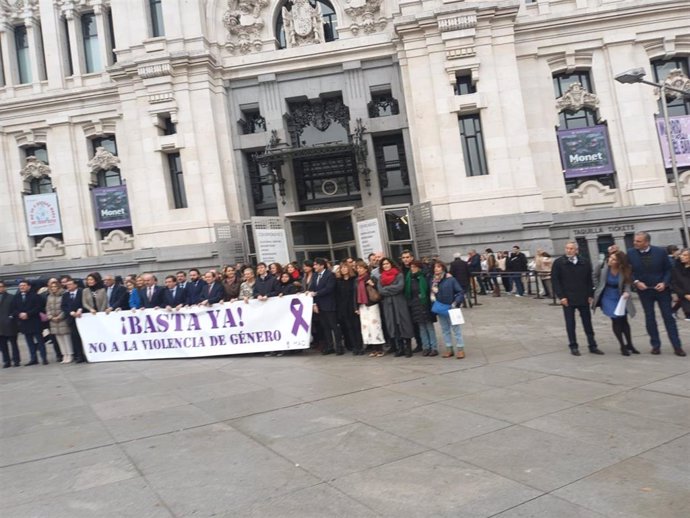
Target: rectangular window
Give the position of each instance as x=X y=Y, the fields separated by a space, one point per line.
x=156 y=11
x=111 y=34
x=68 y=48
x=21 y=43
x=464 y=84
x=177 y=181
x=39 y=151
x=391 y=167
x=89 y=33
x=473 y=145
x=2 y=68
x=108 y=143
x=661 y=68
x=262 y=183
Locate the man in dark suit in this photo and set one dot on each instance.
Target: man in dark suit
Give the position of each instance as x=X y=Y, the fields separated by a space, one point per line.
x=212 y=292
x=322 y=288
x=8 y=330
x=194 y=287
x=72 y=307
x=652 y=277
x=174 y=296
x=571 y=276
x=151 y=294
x=25 y=311
x=116 y=294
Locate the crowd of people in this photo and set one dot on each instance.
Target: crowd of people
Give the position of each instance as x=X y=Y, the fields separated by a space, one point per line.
x=374 y=307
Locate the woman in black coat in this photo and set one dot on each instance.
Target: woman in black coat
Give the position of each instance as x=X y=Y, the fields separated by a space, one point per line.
x=346 y=308
x=680 y=281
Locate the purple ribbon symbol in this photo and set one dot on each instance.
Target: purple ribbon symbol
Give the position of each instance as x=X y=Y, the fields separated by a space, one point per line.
x=296 y=308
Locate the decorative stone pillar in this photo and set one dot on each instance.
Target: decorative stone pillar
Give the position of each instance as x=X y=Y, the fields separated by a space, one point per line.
x=9 y=55
x=76 y=49
x=100 y=11
x=33 y=35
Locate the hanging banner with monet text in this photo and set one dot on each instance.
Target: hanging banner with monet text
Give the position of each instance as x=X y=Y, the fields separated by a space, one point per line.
x=111 y=207
x=277 y=324
x=42 y=214
x=585 y=151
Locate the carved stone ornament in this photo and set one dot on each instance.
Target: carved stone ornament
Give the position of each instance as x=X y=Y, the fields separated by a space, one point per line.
x=34 y=169
x=366 y=16
x=676 y=79
x=72 y=8
x=244 y=24
x=18 y=11
x=103 y=160
x=319 y=114
x=117 y=241
x=591 y=193
x=303 y=24
x=48 y=248
x=576 y=98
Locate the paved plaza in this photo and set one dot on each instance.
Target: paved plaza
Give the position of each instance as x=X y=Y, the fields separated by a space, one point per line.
x=519 y=428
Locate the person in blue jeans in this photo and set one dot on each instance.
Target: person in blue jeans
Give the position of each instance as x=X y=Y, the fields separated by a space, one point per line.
x=447 y=292
x=652 y=277
x=417 y=295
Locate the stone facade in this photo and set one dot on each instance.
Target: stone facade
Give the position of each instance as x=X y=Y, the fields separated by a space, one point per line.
x=216 y=91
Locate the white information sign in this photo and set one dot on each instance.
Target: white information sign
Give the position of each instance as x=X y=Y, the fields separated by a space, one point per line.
x=369 y=235
x=277 y=324
x=271 y=246
x=42 y=214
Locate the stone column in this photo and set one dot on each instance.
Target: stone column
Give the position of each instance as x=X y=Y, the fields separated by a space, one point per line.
x=57 y=66
x=76 y=48
x=593 y=249
x=100 y=13
x=33 y=34
x=9 y=56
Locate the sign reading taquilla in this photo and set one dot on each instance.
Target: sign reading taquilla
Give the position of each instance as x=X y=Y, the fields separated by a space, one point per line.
x=277 y=324
x=585 y=151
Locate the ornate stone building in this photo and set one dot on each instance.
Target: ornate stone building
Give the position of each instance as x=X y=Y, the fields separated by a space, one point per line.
x=157 y=134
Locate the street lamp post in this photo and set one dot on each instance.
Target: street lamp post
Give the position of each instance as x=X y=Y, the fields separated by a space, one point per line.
x=636 y=75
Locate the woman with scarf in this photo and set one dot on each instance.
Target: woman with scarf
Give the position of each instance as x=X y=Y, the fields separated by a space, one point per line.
x=447 y=292
x=396 y=315
x=368 y=311
x=94 y=297
x=417 y=295
x=292 y=270
x=346 y=308
x=286 y=286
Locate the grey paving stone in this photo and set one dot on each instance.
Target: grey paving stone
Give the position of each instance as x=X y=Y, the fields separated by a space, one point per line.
x=313 y=502
x=537 y=459
x=210 y=470
x=678 y=385
x=338 y=451
x=250 y=403
x=508 y=405
x=436 y=425
x=374 y=402
x=568 y=389
x=636 y=488
x=49 y=442
x=548 y=506
x=675 y=454
x=617 y=431
x=645 y=403
x=294 y=421
x=155 y=422
x=37 y=421
x=56 y=476
x=496 y=376
x=124 y=499
x=133 y=405
x=432 y=484
x=437 y=387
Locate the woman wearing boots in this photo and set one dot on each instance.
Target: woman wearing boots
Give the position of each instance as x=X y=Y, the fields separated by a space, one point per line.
x=417 y=295
x=447 y=292
x=616 y=282
x=59 y=327
x=396 y=315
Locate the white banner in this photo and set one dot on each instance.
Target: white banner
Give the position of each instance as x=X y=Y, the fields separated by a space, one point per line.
x=369 y=235
x=277 y=324
x=42 y=214
x=271 y=246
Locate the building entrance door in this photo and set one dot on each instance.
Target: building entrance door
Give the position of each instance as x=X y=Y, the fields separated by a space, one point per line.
x=328 y=233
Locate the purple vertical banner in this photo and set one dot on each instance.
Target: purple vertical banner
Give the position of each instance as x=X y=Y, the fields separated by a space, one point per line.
x=111 y=207
x=680 y=137
x=585 y=151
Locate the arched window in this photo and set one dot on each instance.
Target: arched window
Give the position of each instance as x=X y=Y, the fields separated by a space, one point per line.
x=330 y=21
x=110 y=177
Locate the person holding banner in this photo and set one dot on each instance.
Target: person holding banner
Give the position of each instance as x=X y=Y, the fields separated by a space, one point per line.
x=72 y=307
x=322 y=288
x=94 y=297
x=174 y=296
x=212 y=293
x=613 y=296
